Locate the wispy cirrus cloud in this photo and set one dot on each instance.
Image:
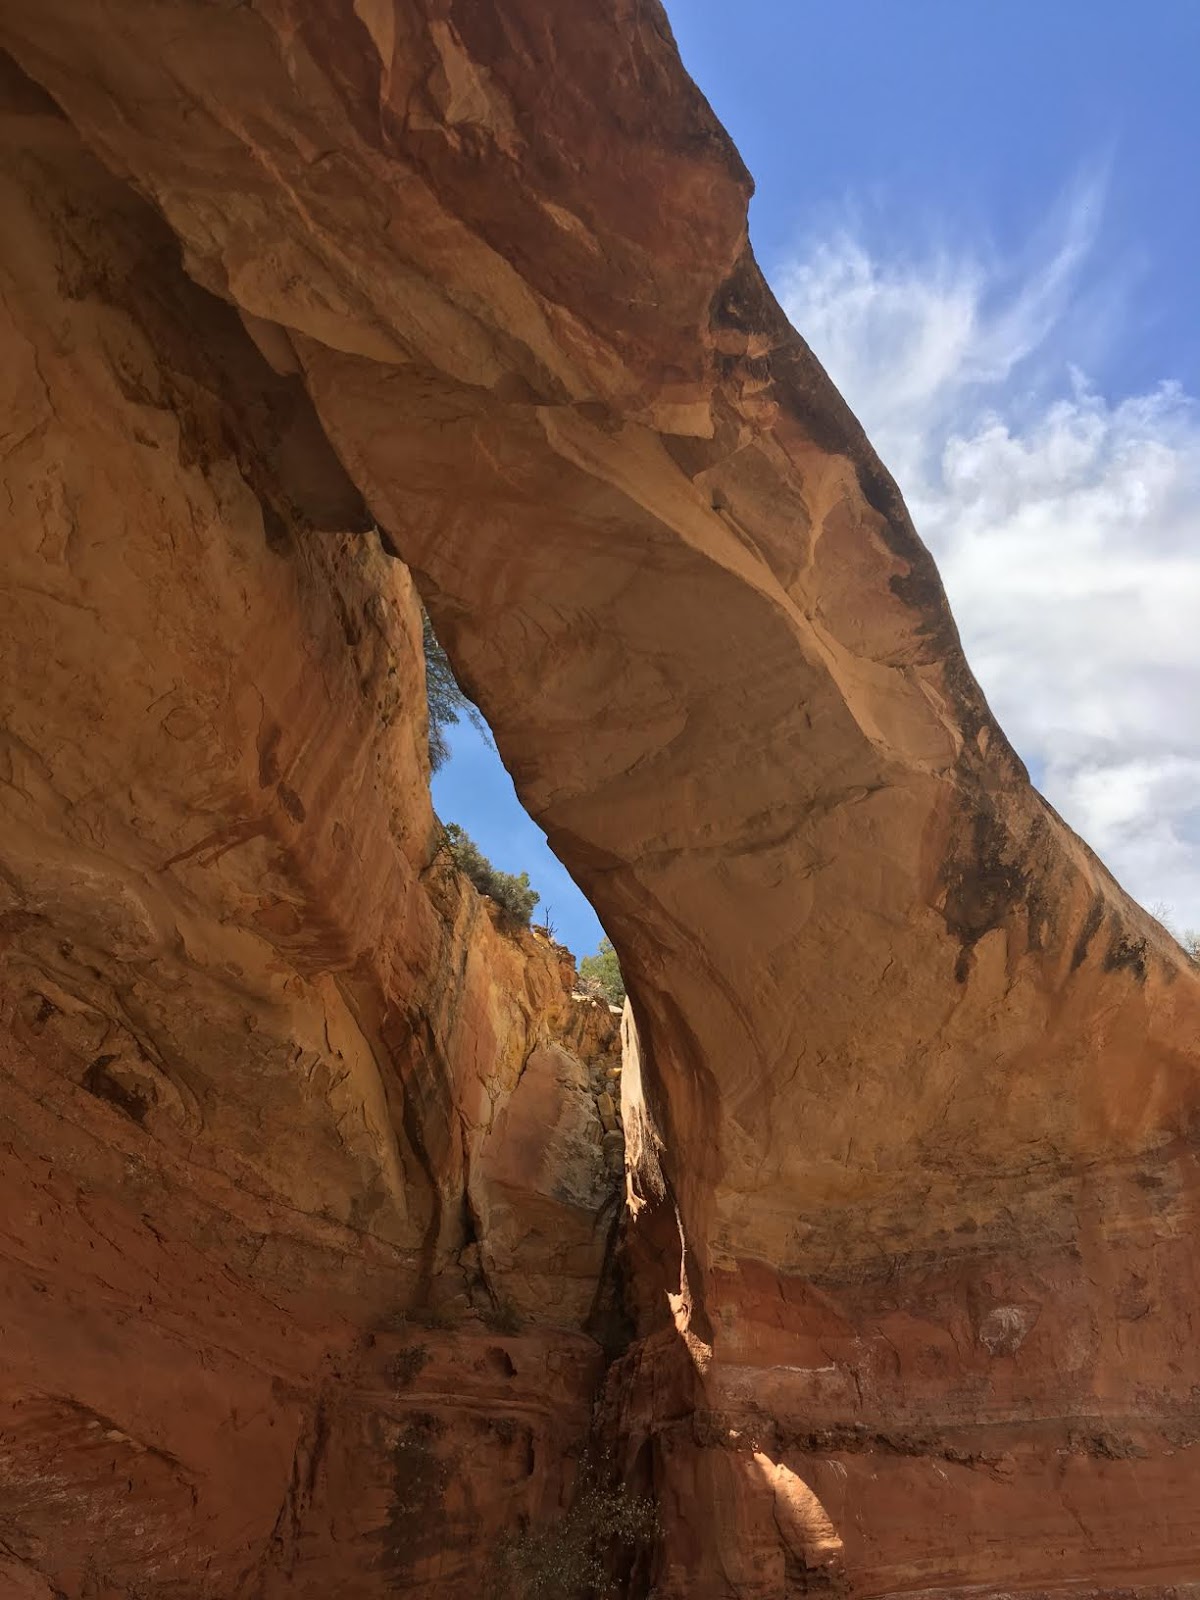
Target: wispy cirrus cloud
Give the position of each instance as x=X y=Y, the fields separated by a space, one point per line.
x=1065 y=520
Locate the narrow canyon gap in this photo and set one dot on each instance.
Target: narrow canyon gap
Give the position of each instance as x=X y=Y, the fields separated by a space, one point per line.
x=302 y=297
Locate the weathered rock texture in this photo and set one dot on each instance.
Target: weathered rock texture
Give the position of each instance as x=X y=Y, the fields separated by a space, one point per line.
x=912 y=1095
x=262 y=1048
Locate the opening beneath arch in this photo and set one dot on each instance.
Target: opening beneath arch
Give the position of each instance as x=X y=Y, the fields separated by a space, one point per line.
x=474 y=797
x=473 y=790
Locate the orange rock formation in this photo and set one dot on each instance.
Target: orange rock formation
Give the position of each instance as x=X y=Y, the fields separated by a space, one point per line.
x=312 y=1280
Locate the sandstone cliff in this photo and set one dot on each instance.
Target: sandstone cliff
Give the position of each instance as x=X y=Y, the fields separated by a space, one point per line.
x=301 y=1150
x=292 y=290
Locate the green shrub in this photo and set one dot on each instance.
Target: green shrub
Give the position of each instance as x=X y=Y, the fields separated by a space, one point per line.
x=511 y=892
x=503 y=1318
x=574 y=1557
x=447 y=701
x=406 y=1365
x=601 y=974
x=443 y=1317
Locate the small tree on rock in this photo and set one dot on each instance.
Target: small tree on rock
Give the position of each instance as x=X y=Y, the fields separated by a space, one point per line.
x=605 y=1524
x=511 y=891
x=601 y=974
x=447 y=701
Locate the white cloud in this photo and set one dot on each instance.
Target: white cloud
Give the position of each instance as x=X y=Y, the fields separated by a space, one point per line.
x=1066 y=523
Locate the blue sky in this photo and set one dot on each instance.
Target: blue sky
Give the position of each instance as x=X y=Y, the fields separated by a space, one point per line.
x=474 y=790
x=985 y=219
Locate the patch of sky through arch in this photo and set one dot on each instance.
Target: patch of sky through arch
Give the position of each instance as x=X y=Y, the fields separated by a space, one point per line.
x=474 y=790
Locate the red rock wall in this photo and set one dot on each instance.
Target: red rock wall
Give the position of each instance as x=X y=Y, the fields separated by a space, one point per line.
x=264 y=1238
x=916 y=1091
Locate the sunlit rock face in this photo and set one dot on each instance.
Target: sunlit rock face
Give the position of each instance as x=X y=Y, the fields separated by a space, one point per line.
x=910 y=1086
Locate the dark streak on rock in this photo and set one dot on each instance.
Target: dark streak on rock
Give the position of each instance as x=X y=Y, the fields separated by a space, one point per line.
x=291 y=803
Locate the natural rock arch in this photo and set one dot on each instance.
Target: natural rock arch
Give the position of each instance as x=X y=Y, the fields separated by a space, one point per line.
x=909 y=1053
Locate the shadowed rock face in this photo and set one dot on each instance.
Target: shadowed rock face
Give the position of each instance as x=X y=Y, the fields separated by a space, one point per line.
x=266 y=1248
x=910 y=1085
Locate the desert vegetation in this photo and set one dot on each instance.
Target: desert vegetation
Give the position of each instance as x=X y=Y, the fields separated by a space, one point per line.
x=600 y=975
x=511 y=891
x=577 y=1555
x=448 y=702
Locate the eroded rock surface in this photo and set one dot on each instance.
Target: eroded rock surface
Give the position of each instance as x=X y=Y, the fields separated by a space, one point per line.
x=259 y=1038
x=913 y=1115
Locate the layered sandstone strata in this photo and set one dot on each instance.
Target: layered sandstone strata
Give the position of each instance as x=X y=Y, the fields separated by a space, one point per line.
x=913 y=1111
